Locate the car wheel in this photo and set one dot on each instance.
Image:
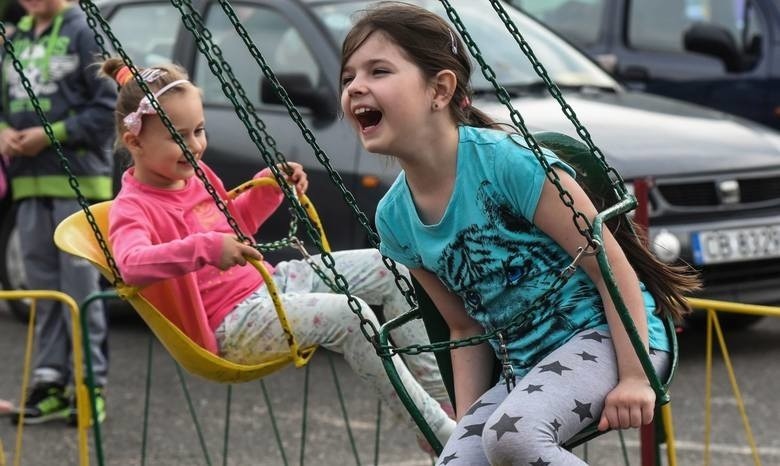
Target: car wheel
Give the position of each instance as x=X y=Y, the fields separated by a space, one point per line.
x=12 y=274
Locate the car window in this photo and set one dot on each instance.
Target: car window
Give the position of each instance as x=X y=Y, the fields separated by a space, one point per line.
x=580 y=21
x=281 y=44
x=660 y=24
x=160 y=27
x=564 y=64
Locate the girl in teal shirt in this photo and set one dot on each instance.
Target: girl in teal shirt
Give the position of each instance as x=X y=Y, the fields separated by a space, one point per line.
x=485 y=233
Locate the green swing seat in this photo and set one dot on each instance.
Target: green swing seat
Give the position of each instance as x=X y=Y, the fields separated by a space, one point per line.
x=590 y=174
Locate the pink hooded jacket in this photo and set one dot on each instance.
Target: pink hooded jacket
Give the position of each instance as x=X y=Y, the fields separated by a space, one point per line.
x=158 y=234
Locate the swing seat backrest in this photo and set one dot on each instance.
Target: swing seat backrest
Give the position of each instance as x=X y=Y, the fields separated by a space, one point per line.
x=162 y=304
x=590 y=173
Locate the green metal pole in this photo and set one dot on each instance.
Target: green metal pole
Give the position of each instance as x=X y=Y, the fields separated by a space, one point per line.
x=98 y=295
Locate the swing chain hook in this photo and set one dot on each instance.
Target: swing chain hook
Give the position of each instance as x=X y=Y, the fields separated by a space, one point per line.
x=296 y=243
x=593 y=247
x=507 y=370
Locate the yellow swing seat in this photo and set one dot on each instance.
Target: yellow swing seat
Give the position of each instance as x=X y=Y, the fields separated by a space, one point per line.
x=161 y=303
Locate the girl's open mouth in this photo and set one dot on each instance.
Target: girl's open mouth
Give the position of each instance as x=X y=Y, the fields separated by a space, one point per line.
x=368 y=117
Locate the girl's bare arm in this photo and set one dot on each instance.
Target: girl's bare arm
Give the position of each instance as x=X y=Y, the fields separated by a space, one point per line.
x=631 y=403
x=472 y=366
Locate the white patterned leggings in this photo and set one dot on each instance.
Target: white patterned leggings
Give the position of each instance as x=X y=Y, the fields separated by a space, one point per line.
x=318 y=316
x=555 y=400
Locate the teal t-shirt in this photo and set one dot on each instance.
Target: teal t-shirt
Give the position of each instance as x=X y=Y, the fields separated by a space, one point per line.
x=487 y=250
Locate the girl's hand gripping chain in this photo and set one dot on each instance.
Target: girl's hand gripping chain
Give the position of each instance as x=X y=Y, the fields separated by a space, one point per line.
x=296 y=176
x=235 y=252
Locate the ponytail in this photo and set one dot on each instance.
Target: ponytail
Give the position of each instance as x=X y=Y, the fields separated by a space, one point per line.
x=668 y=284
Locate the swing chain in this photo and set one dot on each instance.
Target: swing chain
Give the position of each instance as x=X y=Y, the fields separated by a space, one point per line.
x=194 y=23
x=92 y=23
x=555 y=92
x=507 y=371
x=308 y=136
x=259 y=134
x=581 y=222
x=91 y=10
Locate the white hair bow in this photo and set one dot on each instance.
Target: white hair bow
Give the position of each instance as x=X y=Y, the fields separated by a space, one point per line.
x=134 y=121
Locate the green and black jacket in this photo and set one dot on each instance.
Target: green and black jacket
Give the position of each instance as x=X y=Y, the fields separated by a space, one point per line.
x=60 y=65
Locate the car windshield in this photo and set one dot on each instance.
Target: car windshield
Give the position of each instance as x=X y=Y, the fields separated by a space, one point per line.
x=565 y=65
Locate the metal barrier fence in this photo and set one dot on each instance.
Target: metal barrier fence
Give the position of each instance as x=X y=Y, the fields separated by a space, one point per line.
x=82 y=396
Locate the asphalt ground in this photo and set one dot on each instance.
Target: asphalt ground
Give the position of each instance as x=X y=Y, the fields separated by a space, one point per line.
x=172 y=439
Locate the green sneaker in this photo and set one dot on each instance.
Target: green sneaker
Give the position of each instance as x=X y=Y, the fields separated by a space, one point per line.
x=46 y=402
x=100 y=407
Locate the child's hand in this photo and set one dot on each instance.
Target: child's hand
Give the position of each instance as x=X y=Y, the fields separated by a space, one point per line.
x=235 y=252
x=32 y=141
x=9 y=142
x=296 y=177
x=630 y=404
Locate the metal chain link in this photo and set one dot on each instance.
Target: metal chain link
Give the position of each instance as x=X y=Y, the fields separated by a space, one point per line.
x=92 y=23
x=402 y=283
x=193 y=22
x=580 y=220
x=298 y=119
x=92 y=11
x=617 y=180
x=203 y=39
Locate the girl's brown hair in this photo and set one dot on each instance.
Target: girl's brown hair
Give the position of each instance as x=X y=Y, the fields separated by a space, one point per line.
x=666 y=282
x=429 y=42
x=130 y=93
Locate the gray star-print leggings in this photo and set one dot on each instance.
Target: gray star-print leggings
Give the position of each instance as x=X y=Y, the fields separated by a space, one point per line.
x=555 y=400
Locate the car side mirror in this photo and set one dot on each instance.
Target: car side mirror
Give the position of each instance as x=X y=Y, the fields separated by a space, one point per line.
x=714 y=40
x=301 y=93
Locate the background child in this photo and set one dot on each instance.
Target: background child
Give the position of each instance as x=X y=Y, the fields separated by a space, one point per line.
x=56 y=48
x=483 y=231
x=164 y=224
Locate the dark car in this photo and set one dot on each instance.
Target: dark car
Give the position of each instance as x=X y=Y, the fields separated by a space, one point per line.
x=724 y=54
x=715 y=200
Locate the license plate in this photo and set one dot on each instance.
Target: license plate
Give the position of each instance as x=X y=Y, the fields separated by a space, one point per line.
x=737 y=244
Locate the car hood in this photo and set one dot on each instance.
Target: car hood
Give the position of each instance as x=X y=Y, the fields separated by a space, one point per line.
x=645 y=135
